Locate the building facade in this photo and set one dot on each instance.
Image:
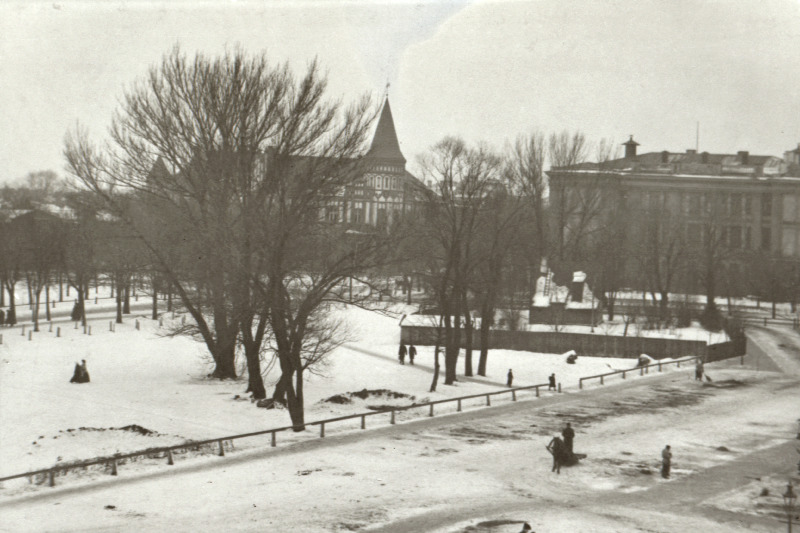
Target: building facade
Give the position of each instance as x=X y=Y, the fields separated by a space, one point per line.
x=744 y=208
x=385 y=190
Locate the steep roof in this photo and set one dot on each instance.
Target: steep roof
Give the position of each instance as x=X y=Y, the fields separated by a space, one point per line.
x=384 y=143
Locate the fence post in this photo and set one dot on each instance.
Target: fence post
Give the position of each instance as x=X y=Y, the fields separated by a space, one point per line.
x=221 y=449
x=392 y=421
x=559 y=386
x=274 y=442
x=659 y=366
x=322 y=430
x=601 y=380
x=90 y=331
x=114 y=467
x=51 y=478
x=459 y=406
x=137 y=323
x=537 y=392
x=623 y=375
x=641 y=371
x=488 y=400
x=1 y=338
x=580 y=383
x=363 y=422
x=513 y=396
x=170 y=461
x=23 y=331
x=51 y=328
x=30 y=335
x=58 y=332
x=110 y=325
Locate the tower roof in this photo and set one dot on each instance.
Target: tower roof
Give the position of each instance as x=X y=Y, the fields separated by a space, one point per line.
x=384 y=143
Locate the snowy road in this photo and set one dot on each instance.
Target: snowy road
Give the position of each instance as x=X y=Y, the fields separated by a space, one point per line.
x=447 y=473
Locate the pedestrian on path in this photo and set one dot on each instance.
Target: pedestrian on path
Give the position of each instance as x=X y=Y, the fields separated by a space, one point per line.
x=412 y=353
x=556 y=449
x=510 y=378
x=402 y=354
x=2 y=316
x=698 y=370
x=551 y=382
x=569 y=434
x=666 y=461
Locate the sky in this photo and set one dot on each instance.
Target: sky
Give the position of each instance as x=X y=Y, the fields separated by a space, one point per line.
x=485 y=70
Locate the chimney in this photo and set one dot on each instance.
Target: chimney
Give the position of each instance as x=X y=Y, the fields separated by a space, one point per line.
x=744 y=157
x=665 y=156
x=630 y=148
x=704 y=157
x=578 y=280
x=691 y=152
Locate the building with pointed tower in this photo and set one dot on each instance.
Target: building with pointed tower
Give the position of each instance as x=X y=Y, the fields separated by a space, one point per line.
x=386 y=188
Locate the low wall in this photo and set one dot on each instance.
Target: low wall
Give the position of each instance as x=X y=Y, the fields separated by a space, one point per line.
x=560 y=342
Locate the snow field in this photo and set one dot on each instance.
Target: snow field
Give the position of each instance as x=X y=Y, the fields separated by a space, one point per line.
x=144 y=378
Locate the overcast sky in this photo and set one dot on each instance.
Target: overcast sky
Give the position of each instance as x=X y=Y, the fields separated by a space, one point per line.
x=485 y=70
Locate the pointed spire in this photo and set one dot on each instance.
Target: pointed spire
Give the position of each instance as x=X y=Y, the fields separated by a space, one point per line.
x=384 y=143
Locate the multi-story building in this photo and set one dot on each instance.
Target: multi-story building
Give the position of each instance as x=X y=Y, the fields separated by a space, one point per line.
x=748 y=206
x=386 y=188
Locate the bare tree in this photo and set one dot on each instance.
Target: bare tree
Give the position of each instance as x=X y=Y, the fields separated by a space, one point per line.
x=462 y=178
x=249 y=155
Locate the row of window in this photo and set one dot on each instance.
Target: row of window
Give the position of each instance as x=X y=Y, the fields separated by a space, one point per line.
x=733 y=237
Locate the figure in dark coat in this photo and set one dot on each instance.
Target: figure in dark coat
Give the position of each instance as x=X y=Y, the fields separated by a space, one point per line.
x=510 y=379
x=402 y=354
x=81 y=374
x=569 y=434
x=556 y=448
x=412 y=353
x=666 y=461
x=2 y=316
x=551 y=382
x=698 y=371
x=526 y=528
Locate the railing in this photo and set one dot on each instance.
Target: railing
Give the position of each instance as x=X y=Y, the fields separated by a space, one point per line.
x=644 y=369
x=167 y=451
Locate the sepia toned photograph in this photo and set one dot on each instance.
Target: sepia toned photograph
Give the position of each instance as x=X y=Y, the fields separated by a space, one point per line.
x=400 y=266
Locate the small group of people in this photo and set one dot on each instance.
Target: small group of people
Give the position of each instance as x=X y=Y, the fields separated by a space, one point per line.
x=551 y=379
x=561 y=450
x=411 y=351
x=81 y=374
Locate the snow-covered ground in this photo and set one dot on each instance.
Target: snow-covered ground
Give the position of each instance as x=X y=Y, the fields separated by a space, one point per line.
x=156 y=382
x=483 y=470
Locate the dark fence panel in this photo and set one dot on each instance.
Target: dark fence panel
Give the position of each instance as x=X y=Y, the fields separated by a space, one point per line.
x=726 y=350
x=560 y=342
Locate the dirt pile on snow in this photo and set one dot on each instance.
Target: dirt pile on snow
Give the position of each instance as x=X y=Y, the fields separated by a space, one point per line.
x=388 y=398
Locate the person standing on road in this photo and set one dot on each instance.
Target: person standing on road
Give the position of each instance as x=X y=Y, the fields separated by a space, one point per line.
x=698 y=370
x=551 y=382
x=568 y=433
x=2 y=316
x=402 y=354
x=666 y=461
x=556 y=448
x=412 y=353
x=510 y=378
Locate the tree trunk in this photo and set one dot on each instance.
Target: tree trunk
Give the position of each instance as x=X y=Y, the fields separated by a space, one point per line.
x=119 y=306
x=486 y=324
x=255 y=383
x=467 y=335
x=155 y=304
x=126 y=299
x=47 y=303
x=37 y=298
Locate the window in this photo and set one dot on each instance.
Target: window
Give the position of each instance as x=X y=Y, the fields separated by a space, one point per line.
x=357 y=213
x=789 y=208
x=748 y=237
x=735 y=237
x=766 y=205
x=695 y=201
x=333 y=214
x=748 y=205
x=736 y=205
x=766 y=238
x=789 y=242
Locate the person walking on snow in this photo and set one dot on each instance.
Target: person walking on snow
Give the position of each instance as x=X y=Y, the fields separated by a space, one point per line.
x=412 y=353
x=666 y=461
x=568 y=433
x=551 y=385
x=698 y=370
x=402 y=354
x=510 y=379
x=556 y=448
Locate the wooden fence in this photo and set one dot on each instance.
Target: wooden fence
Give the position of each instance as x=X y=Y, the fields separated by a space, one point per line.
x=596 y=345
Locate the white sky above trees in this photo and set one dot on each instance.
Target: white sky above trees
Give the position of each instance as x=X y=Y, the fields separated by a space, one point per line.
x=485 y=70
